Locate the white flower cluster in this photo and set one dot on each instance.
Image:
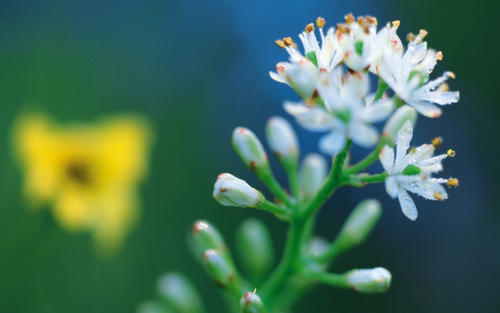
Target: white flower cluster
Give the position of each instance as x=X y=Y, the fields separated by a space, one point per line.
x=333 y=79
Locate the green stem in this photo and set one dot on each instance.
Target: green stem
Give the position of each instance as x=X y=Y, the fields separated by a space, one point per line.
x=276 y=189
x=369 y=159
x=333 y=251
x=334 y=179
x=280 y=212
x=293 y=178
x=376 y=178
x=290 y=256
x=382 y=87
x=337 y=280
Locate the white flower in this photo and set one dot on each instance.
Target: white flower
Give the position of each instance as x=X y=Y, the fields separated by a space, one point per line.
x=362 y=46
x=232 y=191
x=371 y=280
x=412 y=172
x=346 y=112
x=408 y=76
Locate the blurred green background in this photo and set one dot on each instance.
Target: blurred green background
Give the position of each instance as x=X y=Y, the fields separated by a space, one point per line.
x=197 y=69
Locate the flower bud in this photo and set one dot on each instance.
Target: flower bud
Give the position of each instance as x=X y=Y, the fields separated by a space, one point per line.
x=318 y=246
x=255 y=249
x=398 y=119
x=360 y=223
x=283 y=142
x=218 y=267
x=373 y=280
x=179 y=293
x=152 y=306
x=205 y=236
x=250 y=150
x=251 y=303
x=232 y=191
x=313 y=174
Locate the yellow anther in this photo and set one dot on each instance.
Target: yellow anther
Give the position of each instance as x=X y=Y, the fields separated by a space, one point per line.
x=349 y=18
x=451 y=153
x=342 y=28
x=371 y=20
x=279 y=43
x=361 y=20
x=410 y=37
x=444 y=87
x=436 y=142
x=395 y=24
x=320 y=22
x=438 y=196
x=452 y=75
x=452 y=182
x=439 y=56
x=309 y=27
x=422 y=33
x=287 y=41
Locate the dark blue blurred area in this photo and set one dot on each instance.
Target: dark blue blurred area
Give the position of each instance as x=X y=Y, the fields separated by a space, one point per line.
x=198 y=69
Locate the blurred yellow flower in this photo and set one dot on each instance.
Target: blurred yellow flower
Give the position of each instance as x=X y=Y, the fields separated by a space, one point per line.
x=88 y=173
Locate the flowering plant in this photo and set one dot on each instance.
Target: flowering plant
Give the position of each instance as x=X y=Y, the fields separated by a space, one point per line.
x=332 y=77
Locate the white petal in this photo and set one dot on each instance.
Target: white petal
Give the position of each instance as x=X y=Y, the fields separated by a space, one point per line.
x=403 y=142
x=387 y=158
x=391 y=186
x=277 y=77
x=363 y=135
x=440 y=97
x=333 y=142
x=436 y=82
x=407 y=205
x=426 y=188
x=377 y=111
x=313 y=119
x=426 y=108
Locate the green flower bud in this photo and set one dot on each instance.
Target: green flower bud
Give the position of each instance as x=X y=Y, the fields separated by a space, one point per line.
x=373 y=280
x=152 y=306
x=205 y=236
x=179 y=293
x=283 y=142
x=255 y=249
x=318 y=246
x=232 y=191
x=313 y=174
x=360 y=223
x=218 y=267
x=250 y=150
x=398 y=119
x=251 y=303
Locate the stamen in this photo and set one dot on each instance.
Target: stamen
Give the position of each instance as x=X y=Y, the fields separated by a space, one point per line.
x=451 y=153
x=320 y=22
x=451 y=75
x=349 y=18
x=439 y=56
x=452 y=182
x=410 y=37
x=436 y=142
x=279 y=43
x=361 y=21
x=309 y=28
x=395 y=24
x=288 y=41
x=438 y=196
